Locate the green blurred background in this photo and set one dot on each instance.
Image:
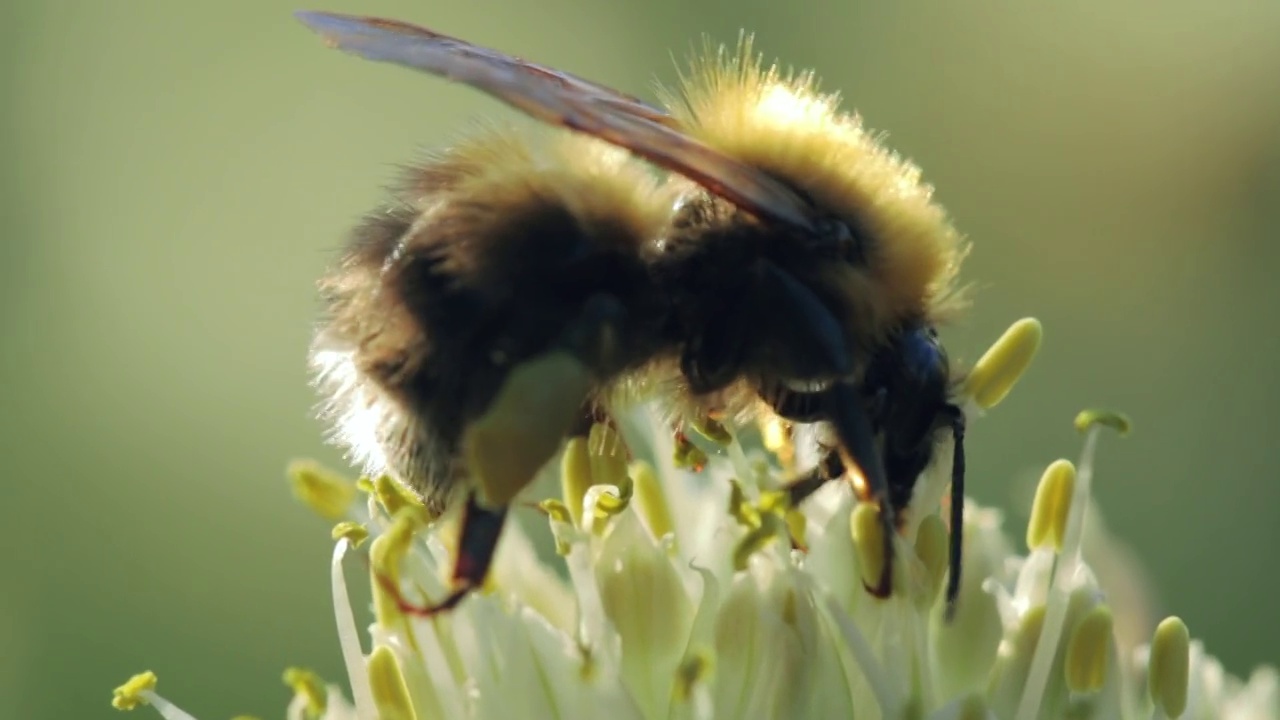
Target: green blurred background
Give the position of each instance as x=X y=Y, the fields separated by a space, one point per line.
x=175 y=175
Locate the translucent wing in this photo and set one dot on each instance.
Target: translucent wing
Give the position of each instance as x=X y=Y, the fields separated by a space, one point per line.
x=559 y=98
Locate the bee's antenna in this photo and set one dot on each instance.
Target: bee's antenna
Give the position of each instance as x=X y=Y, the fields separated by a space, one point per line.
x=957 y=510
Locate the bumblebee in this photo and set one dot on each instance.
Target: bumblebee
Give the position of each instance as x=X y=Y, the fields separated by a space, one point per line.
x=787 y=263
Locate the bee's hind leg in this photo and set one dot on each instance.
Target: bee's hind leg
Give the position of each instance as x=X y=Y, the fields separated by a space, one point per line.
x=539 y=404
x=829 y=468
x=477 y=545
x=804 y=407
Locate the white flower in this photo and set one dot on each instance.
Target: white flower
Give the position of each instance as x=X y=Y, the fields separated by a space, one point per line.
x=682 y=595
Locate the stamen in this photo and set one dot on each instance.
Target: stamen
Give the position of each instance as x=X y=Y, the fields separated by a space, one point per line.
x=307 y=684
x=352 y=531
x=134 y=692
x=1048 y=523
x=575 y=477
x=711 y=430
x=327 y=493
x=869 y=542
x=688 y=456
x=1118 y=421
x=1085 y=665
x=1169 y=666
x=1000 y=368
x=140 y=689
x=741 y=509
x=385 y=555
x=608 y=456
x=651 y=501
x=390 y=694
x=607 y=501
x=348 y=633
x=394 y=497
x=931 y=547
x=771 y=527
x=1067 y=574
x=562 y=527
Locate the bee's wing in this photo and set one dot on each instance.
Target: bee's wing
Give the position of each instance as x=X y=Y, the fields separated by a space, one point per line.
x=560 y=98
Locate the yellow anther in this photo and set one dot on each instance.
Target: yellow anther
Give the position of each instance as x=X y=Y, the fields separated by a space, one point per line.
x=711 y=430
x=999 y=369
x=365 y=485
x=739 y=508
x=1048 y=524
x=385 y=553
x=778 y=439
x=688 y=456
x=694 y=669
x=932 y=544
x=608 y=455
x=308 y=685
x=556 y=511
x=386 y=683
x=774 y=501
x=771 y=526
x=1117 y=421
x=560 y=516
x=1169 y=667
x=354 y=532
x=325 y=492
x=524 y=426
x=394 y=497
x=607 y=505
x=1088 y=650
x=575 y=476
x=868 y=541
x=133 y=692
x=651 y=500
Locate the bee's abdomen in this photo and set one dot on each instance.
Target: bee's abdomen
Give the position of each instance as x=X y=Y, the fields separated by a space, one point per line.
x=486 y=263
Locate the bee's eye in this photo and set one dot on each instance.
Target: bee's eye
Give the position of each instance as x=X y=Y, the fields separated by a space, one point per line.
x=921 y=354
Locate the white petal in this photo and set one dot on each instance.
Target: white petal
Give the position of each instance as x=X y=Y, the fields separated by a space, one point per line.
x=644 y=597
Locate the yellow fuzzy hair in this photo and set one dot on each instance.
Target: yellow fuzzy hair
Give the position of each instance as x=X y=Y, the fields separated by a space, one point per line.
x=613 y=195
x=783 y=124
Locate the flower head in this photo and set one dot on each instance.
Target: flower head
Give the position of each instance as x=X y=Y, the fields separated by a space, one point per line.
x=682 y=594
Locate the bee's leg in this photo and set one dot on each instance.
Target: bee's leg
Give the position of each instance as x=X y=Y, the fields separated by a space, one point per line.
x=711 y=359
x=829 y=468
x=540 y=403
x=957 y=508
x=481 y=529
x=796 y=406
x=804 y=407
x=845 y=412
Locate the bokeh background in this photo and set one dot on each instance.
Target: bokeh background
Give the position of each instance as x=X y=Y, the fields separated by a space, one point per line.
x=175 y=175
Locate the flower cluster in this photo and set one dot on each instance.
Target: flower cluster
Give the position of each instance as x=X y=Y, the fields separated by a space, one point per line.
x=704 y=595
